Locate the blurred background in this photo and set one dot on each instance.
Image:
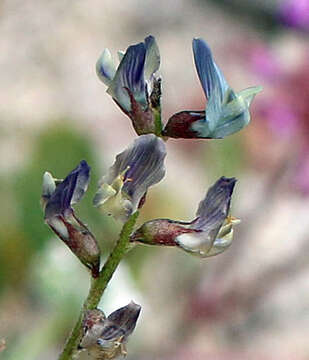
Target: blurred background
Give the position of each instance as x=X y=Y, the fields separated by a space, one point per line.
x=251 y=302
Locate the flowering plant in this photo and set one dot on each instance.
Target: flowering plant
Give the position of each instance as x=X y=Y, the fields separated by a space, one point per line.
x=122 y=192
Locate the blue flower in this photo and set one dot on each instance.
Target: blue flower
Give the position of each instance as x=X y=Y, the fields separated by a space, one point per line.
x=122 y=191
x=58 y=196
x=133 y=84
x=210 y=233
x=226 y=112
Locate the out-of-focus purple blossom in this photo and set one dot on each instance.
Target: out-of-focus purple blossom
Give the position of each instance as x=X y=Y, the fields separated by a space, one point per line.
x=264 y=63
x=282 y=118
x=301 y=178
x=295 y=13
x=285 y=111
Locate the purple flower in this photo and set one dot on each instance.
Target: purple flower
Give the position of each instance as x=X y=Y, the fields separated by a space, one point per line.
x=57 y=200
x=133 y=84
x=122 y=191
x=295 y=13
x=68 y=192
x=264 y=63
x=210 y=233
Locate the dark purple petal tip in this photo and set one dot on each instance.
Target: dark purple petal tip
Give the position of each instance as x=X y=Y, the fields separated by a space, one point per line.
x=215 y=207
x=133 y=67
x=69 y=191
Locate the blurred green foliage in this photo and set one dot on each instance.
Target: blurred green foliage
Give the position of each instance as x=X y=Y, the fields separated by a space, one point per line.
x=226 y=157
x=57 y=149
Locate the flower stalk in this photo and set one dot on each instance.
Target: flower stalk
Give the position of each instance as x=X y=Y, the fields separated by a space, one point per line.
x=98 y=286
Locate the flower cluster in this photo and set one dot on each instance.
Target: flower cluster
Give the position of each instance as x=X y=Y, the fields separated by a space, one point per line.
x=136 y=89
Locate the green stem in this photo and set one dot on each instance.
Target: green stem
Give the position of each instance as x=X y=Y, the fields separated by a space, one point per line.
x=157 y=122
x=99 y=285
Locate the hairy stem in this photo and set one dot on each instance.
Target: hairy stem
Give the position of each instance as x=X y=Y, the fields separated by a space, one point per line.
x=98 y=285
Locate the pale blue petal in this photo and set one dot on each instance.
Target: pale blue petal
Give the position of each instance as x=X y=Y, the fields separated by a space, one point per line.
x=226 y=112
x=152 y=62
x=209 y=74
x=130 y=75
x=214 y=108
x=49 y=185
x=120 y=54
x=232 y=124
x=105 y=67
x=249 y=94
x=234 y=115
